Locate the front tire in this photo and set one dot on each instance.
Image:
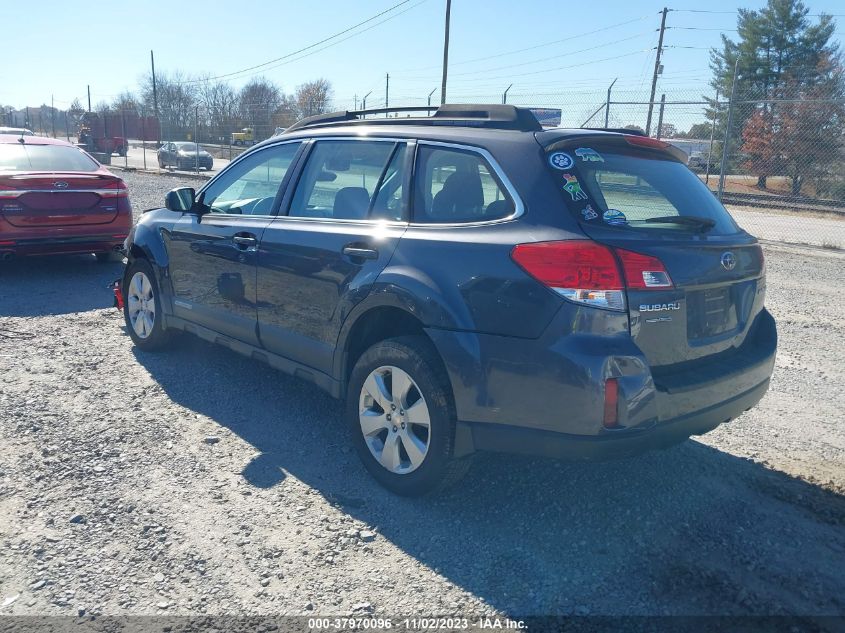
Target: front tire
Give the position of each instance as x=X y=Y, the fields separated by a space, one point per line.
x=142 y=309
x=400 y=412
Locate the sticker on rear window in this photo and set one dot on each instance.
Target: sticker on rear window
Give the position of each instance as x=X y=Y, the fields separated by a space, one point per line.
x=573 y=188
x=614 y=217
x=561 y=160
x=589 y=213
x=589 y=155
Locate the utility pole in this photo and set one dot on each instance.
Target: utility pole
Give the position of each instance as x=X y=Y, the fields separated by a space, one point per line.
x=386 y=92
x=155 y=94
x=53 y=114
x=429 y=96
x=364 y=103
x=660 y=115
x=712 y=133
x=445 y=53
x=728 y=131
x=656 y=71
x=89 y=98
x=196 y=138
x=355 y=98
x=505 y=94
x=607 y=104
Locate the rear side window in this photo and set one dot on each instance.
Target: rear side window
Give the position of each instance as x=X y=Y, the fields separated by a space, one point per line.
x=454 y=185
x=25 y=157
x=340 y=179
x=634 y=189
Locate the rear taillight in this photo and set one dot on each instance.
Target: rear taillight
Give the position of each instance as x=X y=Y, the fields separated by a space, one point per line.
x=119 y=187
x=9 y=193
x=587 y=272
x=643 y=271
x=581 y=271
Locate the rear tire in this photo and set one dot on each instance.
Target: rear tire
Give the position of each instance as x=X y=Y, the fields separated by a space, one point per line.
x=404 y=433
x=142 y=307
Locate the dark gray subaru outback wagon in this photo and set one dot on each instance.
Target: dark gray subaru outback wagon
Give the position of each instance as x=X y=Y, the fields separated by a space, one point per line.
x=468 y=281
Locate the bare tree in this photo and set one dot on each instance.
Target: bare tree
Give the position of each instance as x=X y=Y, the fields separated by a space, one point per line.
x=219 y=108
x=177 y=98
x=286 y=113
x=126 y=102
x=258 y=101
x=314 y=97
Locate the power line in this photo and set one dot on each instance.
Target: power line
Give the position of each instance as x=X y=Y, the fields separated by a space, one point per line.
x=545 y=59
x=534 y=61
x=340 y=41
x=301 y=50
x=536 y=46
x=548 y=70
x=809 y=15
x=698 y=28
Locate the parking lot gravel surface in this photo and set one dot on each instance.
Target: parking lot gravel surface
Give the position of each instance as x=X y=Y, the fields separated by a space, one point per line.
x=195 y=481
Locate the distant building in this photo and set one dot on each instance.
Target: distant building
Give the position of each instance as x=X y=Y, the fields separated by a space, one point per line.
x=690 y=145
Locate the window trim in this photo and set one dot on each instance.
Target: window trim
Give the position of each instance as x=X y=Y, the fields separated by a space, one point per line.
x=284 y=209
x=280 y=192
x=519 y=207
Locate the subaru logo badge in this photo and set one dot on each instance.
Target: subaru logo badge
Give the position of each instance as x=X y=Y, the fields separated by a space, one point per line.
x=728 y=261
x=60 y=185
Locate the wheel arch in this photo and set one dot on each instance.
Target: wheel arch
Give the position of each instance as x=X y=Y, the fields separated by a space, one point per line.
x=145 y=243
x=368 y=326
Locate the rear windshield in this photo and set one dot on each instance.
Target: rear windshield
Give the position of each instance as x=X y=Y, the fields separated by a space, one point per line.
x=634 y=189
x=22 y=157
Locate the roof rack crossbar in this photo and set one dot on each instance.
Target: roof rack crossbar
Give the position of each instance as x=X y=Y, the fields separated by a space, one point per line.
x=499 y=116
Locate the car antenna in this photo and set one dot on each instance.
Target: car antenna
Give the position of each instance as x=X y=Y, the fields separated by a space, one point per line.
x=20 y=140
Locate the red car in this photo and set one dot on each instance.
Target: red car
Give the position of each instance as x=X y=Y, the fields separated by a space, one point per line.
x=56 y=199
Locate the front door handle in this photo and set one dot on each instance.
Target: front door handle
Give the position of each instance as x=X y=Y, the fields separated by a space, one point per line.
x=245 y=242
x=361 y=252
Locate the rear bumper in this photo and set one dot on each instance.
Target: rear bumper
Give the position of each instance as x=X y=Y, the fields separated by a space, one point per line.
x=546 y=396
x=616 y=444
x=63 y=245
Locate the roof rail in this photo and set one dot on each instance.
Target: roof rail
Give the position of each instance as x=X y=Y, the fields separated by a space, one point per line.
x=619 y=130
x=503 y=117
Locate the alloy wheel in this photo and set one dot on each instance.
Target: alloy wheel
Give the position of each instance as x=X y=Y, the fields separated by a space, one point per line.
x=395 y=420
x=141 y=305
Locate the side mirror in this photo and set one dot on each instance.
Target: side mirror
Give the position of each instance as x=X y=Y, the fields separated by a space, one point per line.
x=182 y=199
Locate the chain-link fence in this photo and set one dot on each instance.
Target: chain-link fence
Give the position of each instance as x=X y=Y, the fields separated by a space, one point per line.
x=778 y=164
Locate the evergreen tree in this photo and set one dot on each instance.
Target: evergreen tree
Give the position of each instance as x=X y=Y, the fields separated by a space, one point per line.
x=781 y=55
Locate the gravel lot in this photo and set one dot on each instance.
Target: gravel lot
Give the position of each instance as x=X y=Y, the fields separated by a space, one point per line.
x=196 y=481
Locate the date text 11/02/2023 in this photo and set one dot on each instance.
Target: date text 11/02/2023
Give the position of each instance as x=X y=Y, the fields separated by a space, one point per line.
x=415 y=624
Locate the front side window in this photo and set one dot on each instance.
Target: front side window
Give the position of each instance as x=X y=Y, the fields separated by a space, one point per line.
x=250 y=186
x=455 y=185
x=340 y=180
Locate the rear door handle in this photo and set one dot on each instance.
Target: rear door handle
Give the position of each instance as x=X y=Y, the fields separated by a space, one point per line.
x=360 y=251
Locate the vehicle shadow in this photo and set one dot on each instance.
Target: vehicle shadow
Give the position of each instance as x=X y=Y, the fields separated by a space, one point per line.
x=38 y=286
x=690 y=530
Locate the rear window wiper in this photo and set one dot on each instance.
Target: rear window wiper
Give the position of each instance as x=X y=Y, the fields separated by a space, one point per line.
x=703 y=224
